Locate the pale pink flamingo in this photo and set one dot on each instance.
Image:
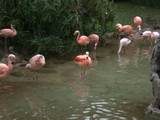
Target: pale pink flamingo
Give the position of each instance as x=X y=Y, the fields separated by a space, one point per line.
x=119 y=26
x=36 y=62
x=7 y=33
x=154 y=36
x=83 y=40
x=127 y=29
x=147 y=34
x=94 y=38
x=124 y=42
x=84 y=61
x=137 y=20
x=6 y=70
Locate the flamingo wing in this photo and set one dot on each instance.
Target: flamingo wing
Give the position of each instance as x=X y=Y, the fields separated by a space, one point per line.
x=80 y=58
x=6 y=32
x=3 y=70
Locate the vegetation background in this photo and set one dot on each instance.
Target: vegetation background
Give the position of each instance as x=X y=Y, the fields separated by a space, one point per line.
x=47 y=26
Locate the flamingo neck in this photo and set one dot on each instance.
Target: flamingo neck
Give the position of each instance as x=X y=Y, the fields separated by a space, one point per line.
x=120 y=48
x=14 y=30
x=10 y=66
x=139 y=27
x=78 y=37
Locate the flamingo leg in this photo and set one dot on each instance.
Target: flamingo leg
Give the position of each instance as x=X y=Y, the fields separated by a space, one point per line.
x=6 y=51
x=37 y=77
x=34 y=77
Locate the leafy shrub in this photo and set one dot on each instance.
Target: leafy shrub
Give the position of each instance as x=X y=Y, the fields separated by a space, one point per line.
x=47 y=26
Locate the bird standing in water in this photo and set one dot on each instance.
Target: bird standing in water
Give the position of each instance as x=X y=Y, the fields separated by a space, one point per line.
x=127 y=29
x=6 y=70
x=147 y=34
x=119 y=26
x=84 y=61
x=5 y=33
x=94 y=38
x=35 y=63
x=154 y=36
x=82 y=40
x=137 y=20
x=124 y=42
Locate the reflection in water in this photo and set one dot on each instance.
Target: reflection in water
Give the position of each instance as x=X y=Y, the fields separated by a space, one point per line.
x=112 y=88
x=122 y=61
x=34 y=103
x=80 y=87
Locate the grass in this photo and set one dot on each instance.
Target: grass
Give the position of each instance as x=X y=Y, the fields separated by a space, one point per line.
x=125 y=12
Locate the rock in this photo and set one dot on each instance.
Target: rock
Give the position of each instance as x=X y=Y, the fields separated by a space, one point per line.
x=154 y=107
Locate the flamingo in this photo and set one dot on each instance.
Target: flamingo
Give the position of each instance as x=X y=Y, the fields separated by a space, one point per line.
x=6 y=70
x=83 y=40
x=137 y=20
x=94 y=38
x=119 y=26
x=36 y=62
x=127 y=29
x=147 y=34
x=124 y=42
x=5 y=33
x=84 y=61
x=154 y=36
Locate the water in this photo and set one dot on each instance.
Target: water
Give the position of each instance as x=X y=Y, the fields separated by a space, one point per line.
x=113 y=88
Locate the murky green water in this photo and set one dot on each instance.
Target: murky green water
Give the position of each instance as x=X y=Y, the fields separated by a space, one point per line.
x=113 y=88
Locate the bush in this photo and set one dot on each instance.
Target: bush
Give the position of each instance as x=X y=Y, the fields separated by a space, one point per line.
x=47 y=26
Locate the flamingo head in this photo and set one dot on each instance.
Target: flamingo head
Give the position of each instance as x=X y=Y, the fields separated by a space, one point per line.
x=12 y=58
x=77 y=31
x=28 y=66
x=87 y=53
x=118 y=26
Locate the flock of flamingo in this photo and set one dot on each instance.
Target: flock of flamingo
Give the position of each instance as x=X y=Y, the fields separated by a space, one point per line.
x=84 y=61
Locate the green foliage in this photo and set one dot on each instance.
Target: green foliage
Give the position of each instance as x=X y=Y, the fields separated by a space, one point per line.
x=147 y=3
x=47 y=26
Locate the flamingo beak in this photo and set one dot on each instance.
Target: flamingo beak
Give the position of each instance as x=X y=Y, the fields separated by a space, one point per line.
x=26 y=69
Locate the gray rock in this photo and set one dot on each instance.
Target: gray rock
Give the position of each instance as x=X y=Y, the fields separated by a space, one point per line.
x=154 y=107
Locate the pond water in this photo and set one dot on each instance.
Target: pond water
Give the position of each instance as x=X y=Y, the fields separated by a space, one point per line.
x=113 y=87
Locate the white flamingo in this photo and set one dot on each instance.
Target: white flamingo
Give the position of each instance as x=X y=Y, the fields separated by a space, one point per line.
x=124 y=42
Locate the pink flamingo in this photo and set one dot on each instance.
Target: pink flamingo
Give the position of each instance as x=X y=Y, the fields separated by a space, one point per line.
x=150 y=35
x=119 y=26
x=94 y=38
x=137 y=20
x=84 y=61
x=83 y=40
x=124 y=42
x=7 y=33
x=6 y=70
x=36 y=62
x=146 y=34
x=127 y=29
